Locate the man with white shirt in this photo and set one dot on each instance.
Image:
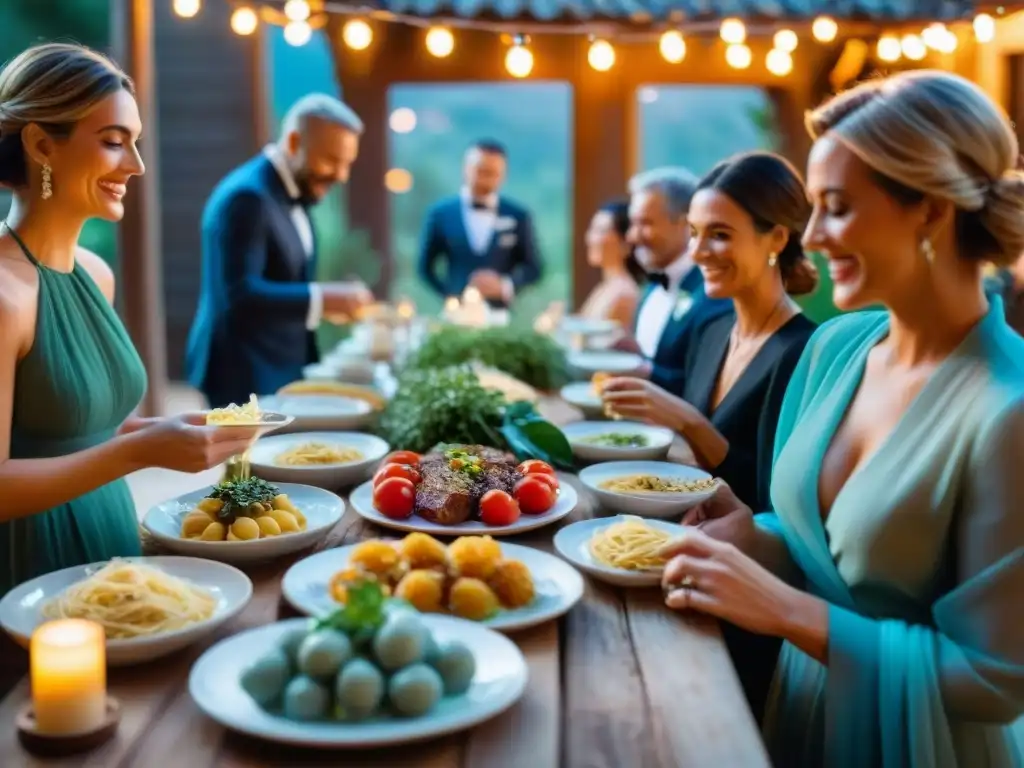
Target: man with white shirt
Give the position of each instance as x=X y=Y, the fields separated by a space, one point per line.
x=674 y=301
x=479 y=238
x=258 y=302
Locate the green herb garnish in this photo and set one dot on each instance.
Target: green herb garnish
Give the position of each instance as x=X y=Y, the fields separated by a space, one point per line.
x=364 y=608
x=618 y=440
x=243 y=498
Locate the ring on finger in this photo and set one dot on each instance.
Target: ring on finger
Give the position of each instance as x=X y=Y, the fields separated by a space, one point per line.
x=687 y=582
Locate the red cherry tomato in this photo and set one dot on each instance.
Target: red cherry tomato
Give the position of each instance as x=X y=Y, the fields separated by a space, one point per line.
x=402 y=457
x=388 y=471
x=535 y=467
x=395 y=498
x=535 y=497
x=551 y=480
x=498 y=508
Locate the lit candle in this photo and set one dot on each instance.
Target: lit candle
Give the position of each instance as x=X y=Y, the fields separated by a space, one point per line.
x=406 y=309
x=472 y=295
x=69 y=676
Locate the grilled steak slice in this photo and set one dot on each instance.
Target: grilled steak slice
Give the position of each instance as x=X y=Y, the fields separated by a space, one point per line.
x=451 y=496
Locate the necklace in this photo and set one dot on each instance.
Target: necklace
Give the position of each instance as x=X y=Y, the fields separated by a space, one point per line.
x=735 y=362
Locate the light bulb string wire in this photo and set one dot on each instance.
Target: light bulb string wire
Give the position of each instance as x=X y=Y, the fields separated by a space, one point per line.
x=621 y=31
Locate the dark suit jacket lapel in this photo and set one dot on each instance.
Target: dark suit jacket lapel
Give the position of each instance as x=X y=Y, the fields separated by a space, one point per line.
x=455 y=222
x=282 y=225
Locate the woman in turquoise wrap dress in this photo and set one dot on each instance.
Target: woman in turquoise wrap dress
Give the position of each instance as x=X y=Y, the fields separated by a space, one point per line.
x=892 y=562
x=69 y=375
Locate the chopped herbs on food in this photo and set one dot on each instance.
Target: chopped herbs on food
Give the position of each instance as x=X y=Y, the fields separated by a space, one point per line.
x=251 y=497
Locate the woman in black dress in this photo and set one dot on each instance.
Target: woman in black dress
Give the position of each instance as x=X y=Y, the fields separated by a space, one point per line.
x=746 y=220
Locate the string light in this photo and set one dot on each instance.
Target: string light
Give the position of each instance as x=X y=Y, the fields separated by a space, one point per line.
x=440 y=41
x=519 y=60
x=398 y=181
x=672 y=46
x=601 y=55
x=297 y=33
x=888 y=48
x=778 y=62
x=738 y=56
x=187 y=8
x=824 y=29
x=913 y=47
x=733 y=31
x=938 y=37
x=402 y=120
x=244 y=21
x=984 y=28
x=297 y=10
x=357 y=34
x=785 y=40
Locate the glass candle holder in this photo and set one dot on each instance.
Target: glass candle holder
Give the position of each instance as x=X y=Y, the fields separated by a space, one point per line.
x=68 y=660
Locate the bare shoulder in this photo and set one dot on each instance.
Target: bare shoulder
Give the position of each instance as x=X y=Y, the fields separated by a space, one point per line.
x=19 y=291
x=98 y=270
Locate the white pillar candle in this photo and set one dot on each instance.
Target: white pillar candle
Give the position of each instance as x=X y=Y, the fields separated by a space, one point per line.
x=69 y=676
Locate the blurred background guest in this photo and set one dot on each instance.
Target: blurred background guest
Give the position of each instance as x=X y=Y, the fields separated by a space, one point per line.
x=258 y=304
x=480 y=238
x=608 y=249
x=1008 y=284
x=674 y=298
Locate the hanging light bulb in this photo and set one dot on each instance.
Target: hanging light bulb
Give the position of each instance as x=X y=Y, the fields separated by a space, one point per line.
x=601 y=55
x=297 y=33
x=984 y=28
x=785 y=40
x=888 y=48
x=778 y=62
x=824 y=29
x=244 y=21
x=738 y=56
x=519 y=60
x=913 y=47
x=732 y=31
x=440 y=42
x=357 y=34
x=672 y=47
x=187 y=8
x=297 y=10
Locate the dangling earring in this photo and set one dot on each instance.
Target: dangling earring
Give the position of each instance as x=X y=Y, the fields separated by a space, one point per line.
x=772 y=258
x=47 y=183
x=928 y=250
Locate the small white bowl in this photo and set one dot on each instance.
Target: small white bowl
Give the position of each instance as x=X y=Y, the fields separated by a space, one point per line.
x=351 y=371
x=581 y=394
x=588 y=326
x=263 y=457
x=658 y=441
x=573 y=543
x=320 y=413
x=589 y=362
x=321 y=508
x=21 y=608
x=664 y=505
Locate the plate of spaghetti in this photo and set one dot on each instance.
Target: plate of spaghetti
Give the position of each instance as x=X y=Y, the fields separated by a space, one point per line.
x=621 y=550
x=148 y=607
x=329 y=460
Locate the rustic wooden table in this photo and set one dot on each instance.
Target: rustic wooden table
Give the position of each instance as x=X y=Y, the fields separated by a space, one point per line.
x=620 y=682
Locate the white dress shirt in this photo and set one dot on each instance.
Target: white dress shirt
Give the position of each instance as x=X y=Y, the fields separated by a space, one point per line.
x=479 y=223
x=304 y=227
x=656 y=310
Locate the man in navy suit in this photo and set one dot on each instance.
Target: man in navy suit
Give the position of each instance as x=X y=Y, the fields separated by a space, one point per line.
x=674 y=301
x=258 y=302
x=479 y=238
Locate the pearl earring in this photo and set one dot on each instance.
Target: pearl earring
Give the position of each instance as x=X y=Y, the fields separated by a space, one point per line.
x=772 y=258
x=928 y=250
x=47 y=192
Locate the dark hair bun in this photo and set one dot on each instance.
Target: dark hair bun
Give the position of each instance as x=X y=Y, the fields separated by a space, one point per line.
x=13 y=171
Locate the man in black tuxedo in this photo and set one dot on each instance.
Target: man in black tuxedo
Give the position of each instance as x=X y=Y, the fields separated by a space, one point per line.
x=258 y=302
x=479 y=238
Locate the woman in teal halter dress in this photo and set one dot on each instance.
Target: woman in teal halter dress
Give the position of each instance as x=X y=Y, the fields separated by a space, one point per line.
x=69 y=376
x=892 y=560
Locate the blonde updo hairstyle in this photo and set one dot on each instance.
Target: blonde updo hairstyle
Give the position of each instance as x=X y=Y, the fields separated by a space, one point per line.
x=53 y=86
x=931 y=133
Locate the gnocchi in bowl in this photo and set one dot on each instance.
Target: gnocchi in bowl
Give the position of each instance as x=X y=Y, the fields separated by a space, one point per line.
x=258 y=522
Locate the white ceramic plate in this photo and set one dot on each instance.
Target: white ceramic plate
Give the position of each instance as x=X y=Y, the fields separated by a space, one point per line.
x=317 y=413
x=501 y=676
x=558 y=586
x=321 y=508
x=589 y=362
x=263 y=457
x=573 y=543
x=587 y=326
x=362 y=502
x=355 y=371
x=581 y=394
x=269 y=422
x=21 y=608
x=658 y=440
x=645 y=504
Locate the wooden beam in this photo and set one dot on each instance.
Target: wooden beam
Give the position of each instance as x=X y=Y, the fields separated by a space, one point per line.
x=141 y=293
